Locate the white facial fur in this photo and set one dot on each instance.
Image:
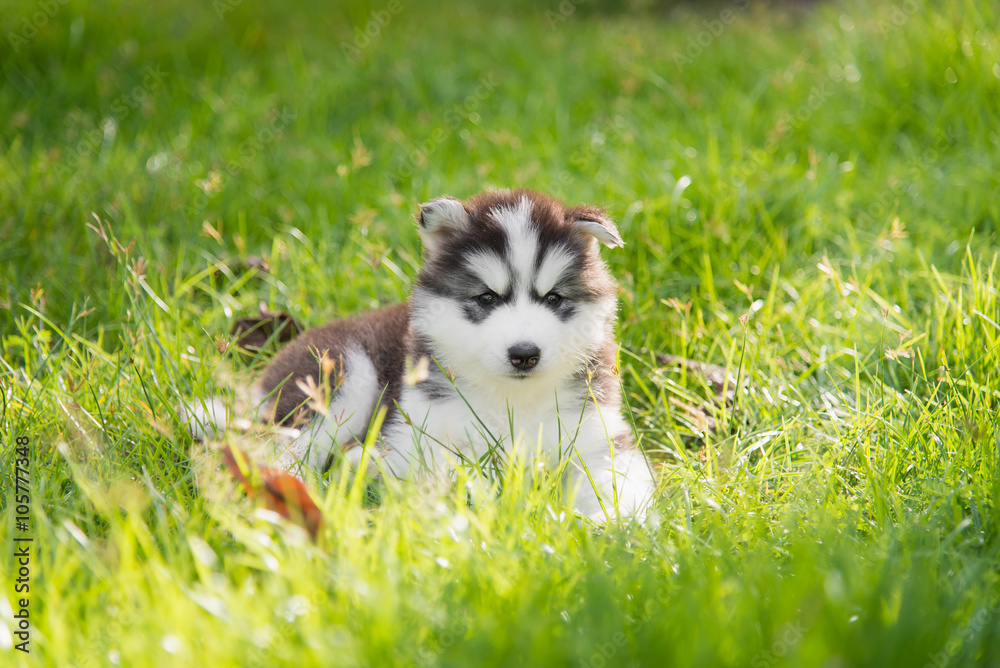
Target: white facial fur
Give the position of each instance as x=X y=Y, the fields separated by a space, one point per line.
x=477 y=352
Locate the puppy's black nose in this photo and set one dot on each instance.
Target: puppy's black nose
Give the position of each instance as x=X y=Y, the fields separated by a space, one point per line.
x=523 y=355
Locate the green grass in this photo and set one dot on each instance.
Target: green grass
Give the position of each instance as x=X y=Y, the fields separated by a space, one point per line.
x=822 y=170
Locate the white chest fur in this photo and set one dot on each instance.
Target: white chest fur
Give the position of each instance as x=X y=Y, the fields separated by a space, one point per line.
x=436 y=435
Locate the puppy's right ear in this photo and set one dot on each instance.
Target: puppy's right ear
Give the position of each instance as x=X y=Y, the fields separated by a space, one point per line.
x=439 y=219
x=591 y=220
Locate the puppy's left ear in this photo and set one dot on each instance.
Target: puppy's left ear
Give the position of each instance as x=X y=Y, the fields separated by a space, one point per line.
x=591 y=220
x=439 y=219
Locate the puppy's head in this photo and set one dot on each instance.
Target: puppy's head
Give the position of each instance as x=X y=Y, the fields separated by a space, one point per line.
x=513 y=292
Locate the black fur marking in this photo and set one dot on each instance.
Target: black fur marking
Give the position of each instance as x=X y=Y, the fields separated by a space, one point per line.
x=421 y=346
x=564 y=310
x=437 y=387
x=445 y=272
x=476 y=311
x=585 y=280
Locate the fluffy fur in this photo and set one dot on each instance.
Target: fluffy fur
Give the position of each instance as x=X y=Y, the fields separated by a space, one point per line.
x=514 y=312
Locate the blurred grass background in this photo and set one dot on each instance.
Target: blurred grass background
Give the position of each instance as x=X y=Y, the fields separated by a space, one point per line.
x=828 y=170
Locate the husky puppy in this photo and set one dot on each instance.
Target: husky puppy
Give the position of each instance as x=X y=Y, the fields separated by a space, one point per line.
x=511 y=327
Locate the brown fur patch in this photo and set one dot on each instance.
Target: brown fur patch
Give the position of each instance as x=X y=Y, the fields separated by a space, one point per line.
x=381 y=334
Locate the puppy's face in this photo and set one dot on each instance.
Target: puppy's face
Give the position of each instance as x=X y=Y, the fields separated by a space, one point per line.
x=513 y=293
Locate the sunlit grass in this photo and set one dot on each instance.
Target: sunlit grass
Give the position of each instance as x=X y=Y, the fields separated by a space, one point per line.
x=809 y=200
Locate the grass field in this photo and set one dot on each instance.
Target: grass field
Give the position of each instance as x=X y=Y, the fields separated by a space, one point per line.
x=809 y=196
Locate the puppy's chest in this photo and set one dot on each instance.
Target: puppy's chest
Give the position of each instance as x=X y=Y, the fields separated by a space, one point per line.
x=474 y=421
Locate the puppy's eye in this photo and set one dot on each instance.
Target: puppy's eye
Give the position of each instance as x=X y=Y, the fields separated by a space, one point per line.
x=488 y=298
x=553 y=298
